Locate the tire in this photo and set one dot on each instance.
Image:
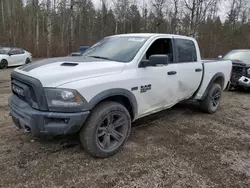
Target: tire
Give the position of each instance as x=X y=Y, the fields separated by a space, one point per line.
x=3 y=64
x=211 y=102
x=106 y=130
x=27 y=61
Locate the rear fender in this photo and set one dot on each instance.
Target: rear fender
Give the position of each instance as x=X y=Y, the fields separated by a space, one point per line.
x=214 y=78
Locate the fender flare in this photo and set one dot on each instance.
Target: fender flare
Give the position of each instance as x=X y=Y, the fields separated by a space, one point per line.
x=115 y=92
x=217 y=75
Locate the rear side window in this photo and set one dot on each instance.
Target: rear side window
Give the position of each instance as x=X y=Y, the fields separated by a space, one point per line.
x=20 y=51
x=16 y=51
x=186 y=51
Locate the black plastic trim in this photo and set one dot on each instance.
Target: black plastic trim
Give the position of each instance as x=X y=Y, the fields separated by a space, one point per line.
x=45 y=122
x=217 y=75
x=202 y=78
x=116 y=92
x=36 y=86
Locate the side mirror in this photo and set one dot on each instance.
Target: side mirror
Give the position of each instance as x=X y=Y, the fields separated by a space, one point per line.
x=159 y=59
x=155 y=60
x=220 y=56
x=10 y=53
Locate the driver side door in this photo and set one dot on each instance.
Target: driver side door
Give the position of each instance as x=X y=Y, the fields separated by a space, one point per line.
x=158 y=84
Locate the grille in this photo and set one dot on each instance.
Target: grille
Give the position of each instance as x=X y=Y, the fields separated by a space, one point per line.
x=33 y=91
x=28 y=94
x=237 y=73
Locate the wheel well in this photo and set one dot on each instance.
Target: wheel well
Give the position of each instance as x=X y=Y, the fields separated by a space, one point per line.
x=123 y=101
x=219 y=80
x=4 y=60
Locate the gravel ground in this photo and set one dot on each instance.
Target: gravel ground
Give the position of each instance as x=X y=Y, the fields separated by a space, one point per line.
x=180 y=147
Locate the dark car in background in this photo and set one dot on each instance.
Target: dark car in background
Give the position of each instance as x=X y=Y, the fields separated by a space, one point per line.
x=80 y=51
x=240 y=77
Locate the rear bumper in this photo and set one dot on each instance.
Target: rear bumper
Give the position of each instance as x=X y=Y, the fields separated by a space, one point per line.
x=43 y=122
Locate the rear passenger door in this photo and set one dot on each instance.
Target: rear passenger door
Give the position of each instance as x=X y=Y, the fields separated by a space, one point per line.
x=188 y=68
x=17 y=57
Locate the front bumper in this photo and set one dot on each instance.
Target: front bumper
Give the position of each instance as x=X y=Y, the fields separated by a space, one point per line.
x=244 y=81
x=44 y=122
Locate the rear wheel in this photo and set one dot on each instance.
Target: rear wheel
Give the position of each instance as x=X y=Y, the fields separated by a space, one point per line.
x=3 y=64
x=106 y=130
x=211 y=102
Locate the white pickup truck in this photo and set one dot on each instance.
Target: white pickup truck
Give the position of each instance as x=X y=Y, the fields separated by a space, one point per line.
x=118 y=80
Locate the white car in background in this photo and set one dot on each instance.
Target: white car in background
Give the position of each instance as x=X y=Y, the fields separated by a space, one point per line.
x=13 y=57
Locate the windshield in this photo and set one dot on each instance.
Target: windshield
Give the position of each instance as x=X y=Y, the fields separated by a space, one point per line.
x=120 y=48
x=4 y=50
x=243 y=56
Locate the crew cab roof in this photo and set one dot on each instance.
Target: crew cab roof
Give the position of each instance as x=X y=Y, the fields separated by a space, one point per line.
x=151 y=35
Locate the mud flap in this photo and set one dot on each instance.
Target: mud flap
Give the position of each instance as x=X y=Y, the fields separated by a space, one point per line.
x=228 y=88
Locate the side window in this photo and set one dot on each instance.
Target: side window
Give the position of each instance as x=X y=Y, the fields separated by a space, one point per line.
x=160 y=47
x=16 y=51
x=186 y=51
x=19 y=51
x=13 y=51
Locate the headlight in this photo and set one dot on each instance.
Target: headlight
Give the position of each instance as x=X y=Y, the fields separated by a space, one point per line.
x=248 y=71
x=64 y=99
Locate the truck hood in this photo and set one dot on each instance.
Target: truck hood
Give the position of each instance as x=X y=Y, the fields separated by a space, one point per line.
x=238 y=63
x=54 y=72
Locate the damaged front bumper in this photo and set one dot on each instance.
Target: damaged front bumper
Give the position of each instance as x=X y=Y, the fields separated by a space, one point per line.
x=244 y=81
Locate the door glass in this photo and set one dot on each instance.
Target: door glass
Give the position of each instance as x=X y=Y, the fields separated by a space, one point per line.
x=186 y=51
x=160 y=47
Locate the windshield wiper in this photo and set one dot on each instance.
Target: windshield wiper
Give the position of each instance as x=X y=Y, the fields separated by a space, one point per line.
x=99 y=57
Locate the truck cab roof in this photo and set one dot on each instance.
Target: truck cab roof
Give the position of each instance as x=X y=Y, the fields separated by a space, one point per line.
x=152 y=35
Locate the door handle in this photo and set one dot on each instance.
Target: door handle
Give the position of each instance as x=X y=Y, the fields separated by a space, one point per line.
x=172 y=72
x=198 y=70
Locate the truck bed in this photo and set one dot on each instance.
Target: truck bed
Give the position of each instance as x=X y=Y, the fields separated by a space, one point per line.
x=212 y=60
x=211 y=67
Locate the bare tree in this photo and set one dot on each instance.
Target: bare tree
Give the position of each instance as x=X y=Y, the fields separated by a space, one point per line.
x=175 y=19
x=3 y=16
x=158 y=6
x=49 y=27
x=71 y=30
x=37 y=10
x=56 y=27
x=196 y=11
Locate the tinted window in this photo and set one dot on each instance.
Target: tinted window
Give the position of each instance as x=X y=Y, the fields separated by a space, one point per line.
x=19 y=51
x=119 y=48
x=160 y=47
x=186 y=50
x=16 y=51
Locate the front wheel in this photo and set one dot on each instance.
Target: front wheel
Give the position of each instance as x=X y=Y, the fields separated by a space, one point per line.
x=3 y=64
x=27 y=61
x=211 y=102
x=106 y=130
